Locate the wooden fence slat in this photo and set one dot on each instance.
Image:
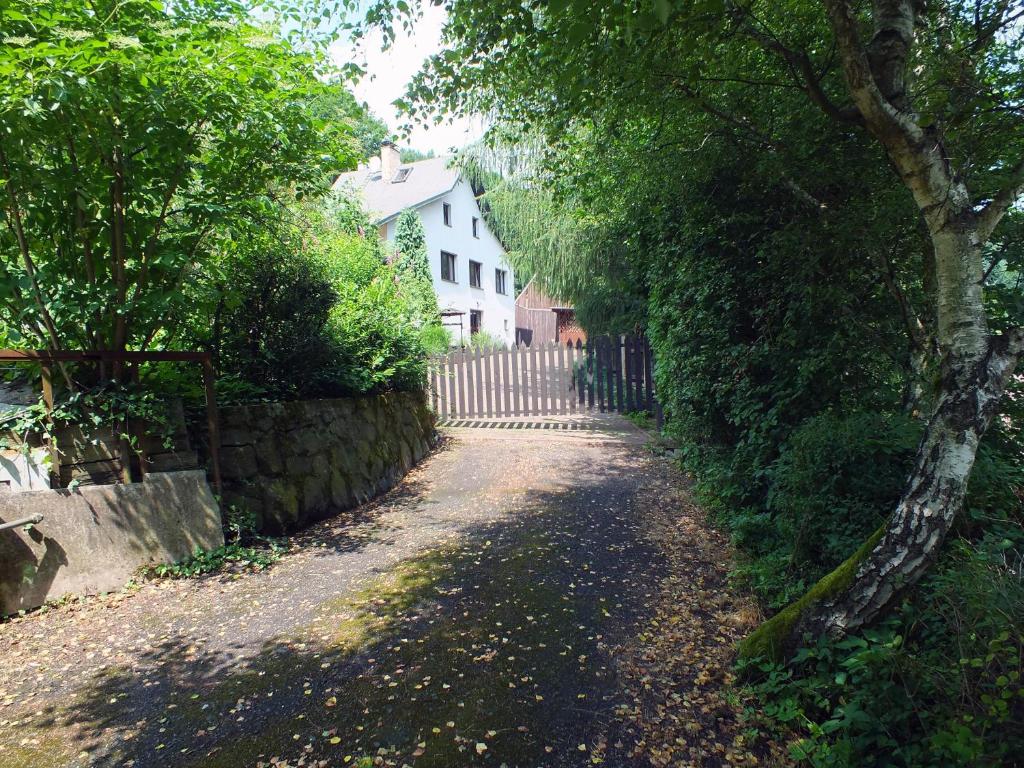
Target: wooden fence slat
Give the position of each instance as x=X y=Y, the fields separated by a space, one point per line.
x=501 y=372
x=561 y=387
x=628 y=356
x=608 y=370
x=534 y=379
x=545 y=384
x=467 y=383
x=521 y=364
x=577 y=361
x=516 y=388
x=525 y=372
x=552 y=355
x=481 y=384
x=648 y=376
x=460 y=382
x=490 y=380
x=599 y=369
x=617 y=344
x=638 y=374
x=478 y=402
x=554 y=378
x=460 y=363
x=470 y=374
x=571 y=396
x=591 y=371
x=626 y=375
x=450 y=373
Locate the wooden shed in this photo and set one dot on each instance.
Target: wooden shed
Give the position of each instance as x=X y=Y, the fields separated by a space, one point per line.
x=542 y=319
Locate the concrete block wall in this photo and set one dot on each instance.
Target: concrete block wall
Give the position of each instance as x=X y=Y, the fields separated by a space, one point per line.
x=295 y=463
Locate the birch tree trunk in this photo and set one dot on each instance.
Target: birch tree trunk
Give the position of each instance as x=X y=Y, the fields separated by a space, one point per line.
x=975 y=365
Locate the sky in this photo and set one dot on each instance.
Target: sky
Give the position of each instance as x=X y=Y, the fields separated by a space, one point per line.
x=388 y=72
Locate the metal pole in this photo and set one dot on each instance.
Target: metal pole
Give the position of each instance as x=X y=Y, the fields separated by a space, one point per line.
x=21 y=522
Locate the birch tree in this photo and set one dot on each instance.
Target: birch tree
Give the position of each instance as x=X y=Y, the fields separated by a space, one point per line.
x=937 y=86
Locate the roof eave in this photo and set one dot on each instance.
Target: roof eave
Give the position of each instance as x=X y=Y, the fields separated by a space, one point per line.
x=428 y=201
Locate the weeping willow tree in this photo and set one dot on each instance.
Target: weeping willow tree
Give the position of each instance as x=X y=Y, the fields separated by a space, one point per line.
x=572 y=254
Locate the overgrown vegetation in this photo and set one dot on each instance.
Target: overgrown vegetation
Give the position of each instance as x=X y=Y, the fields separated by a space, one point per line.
x=243 y=548
x=662 y=167
x=166 y=173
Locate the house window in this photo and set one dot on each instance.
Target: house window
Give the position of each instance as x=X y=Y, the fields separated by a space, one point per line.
x=401 y=175
x=448 y=266
x=499 y=281
x=475 y=319
x=474 y=273
x=447 y=210
x=476 y=227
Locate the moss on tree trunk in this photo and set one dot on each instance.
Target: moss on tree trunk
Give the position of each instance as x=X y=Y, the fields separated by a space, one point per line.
x=774 y=638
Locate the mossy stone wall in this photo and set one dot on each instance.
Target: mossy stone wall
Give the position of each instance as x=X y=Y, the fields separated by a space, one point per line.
x=295 y=463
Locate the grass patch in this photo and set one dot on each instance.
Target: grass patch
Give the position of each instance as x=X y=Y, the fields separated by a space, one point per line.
x=642 y=419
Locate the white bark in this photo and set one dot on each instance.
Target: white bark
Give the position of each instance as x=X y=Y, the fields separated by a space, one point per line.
x=968 y=400
x=975 y=365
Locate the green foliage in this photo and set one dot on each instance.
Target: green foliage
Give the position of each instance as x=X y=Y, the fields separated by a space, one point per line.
x=412 y=267
x=817 y=506
x=307 y=307
x=411 y=245
x=378 y=346
x=336 y=104
x=243 y=548
x=485 y=341
x=939 y=683
x=271 y=327
x=436 y=339
x=410 y=155
x=107 y=406
x=135 y=135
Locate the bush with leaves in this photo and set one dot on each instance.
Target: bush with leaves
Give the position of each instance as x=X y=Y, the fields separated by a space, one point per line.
x=135 y=135
x=308 y=307
x=412 y=267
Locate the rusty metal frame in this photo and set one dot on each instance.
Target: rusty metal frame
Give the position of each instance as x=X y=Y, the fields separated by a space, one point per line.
x=47 y=357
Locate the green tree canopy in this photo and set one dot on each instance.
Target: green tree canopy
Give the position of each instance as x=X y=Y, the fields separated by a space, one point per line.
x=133 y=134
x=412 y=266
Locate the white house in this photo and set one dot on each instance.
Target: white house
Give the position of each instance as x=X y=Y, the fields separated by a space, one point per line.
x=472 y=277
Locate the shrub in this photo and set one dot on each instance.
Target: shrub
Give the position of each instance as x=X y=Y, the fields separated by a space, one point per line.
x=835 y=480
x=307 y=307
x=376 y=344
x=271 y=329
x=435 y=339
x=938 y=683
x=485 y=341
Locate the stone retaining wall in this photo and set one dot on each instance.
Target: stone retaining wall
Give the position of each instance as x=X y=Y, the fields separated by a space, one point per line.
x=295 y=463
x=94 y=538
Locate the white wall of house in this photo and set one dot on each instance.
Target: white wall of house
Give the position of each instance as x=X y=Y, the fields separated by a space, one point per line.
x=498 y=310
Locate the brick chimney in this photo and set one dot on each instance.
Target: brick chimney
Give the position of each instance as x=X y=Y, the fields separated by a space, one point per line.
x=390 y=159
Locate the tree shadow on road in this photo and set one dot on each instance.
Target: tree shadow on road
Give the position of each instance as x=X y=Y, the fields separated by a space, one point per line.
x=490 y=651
